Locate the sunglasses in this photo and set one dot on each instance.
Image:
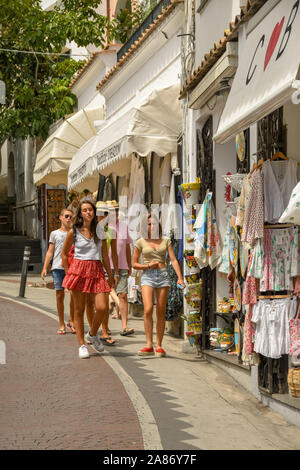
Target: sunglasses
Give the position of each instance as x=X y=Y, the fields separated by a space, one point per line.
x=68 y=216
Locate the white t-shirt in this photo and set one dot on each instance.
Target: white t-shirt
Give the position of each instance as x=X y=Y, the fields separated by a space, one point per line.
x=57 y=237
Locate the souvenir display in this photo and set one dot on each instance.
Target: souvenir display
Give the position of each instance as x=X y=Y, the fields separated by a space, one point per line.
x=226 y=305
x=240 y=146
x=190 y=192
x=244 y=254
x=193 y=338
x=237 y=294
x=237 y=336
x=189 y=259
x=192 y=278
x=233 y=247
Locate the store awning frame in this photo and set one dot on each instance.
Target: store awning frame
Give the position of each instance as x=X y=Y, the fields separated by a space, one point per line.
x=54 y=158
x=151 y=126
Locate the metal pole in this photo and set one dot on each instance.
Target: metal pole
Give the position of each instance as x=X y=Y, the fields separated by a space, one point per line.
x=26 y=257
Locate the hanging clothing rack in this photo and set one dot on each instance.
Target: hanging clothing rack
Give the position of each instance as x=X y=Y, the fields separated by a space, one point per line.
x=279 y=296
x=278 y=226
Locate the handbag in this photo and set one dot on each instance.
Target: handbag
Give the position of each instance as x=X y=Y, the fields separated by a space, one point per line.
x=294 y=382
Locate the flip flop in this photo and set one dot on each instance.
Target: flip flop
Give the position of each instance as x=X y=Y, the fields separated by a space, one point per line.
x=108 y=341
x=61 y=332
x=115 y=316
x=71 y=328
x=127 y=331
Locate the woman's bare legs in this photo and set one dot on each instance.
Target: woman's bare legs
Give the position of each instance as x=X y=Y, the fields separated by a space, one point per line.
x=161 y=304
x=113 y=297
x=79 y=305
x=147 y=295
x=100 y=312
x=60 y=295
x=71 y=318
x=90 y=309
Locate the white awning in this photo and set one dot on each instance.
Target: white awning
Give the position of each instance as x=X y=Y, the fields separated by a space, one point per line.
x=267 y=70
x=54 y=158
x=152 y=126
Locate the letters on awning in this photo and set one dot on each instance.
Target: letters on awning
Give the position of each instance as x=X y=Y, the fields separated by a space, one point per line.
x=152 y=126
x=267 y=71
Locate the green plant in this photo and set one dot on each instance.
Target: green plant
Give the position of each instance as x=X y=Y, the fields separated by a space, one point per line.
x=128 y=20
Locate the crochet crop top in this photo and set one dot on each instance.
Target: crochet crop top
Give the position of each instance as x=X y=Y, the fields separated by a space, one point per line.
x=151 y=254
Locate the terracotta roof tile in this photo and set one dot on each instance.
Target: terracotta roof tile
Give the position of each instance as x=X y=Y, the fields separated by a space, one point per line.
x=87 y=64
x=137 y=44
x=219 y=47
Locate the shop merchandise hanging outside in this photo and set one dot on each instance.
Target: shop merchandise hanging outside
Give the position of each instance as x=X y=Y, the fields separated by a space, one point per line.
x=270 y=305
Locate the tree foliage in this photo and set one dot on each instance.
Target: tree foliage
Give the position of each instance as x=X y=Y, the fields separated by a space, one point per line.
x=37 y=86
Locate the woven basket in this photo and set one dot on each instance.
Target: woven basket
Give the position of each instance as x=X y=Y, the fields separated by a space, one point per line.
x=294 y=382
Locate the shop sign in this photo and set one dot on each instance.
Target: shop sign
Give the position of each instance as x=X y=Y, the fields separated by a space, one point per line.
x=79 y=173
x=109 y=154
x=265 y=51
x=267 y=72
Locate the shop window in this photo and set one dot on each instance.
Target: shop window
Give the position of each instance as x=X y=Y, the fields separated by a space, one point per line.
x=271 y=135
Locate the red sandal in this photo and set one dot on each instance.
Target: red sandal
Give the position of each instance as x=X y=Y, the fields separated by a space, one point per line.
x=146 y=352
x=71 y=328
x=160 y=352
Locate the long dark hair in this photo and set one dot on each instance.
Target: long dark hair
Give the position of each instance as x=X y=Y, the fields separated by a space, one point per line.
x=79 y=219
x=153 y=216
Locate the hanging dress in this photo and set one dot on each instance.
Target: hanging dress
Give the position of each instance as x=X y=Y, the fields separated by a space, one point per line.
x=280 y=178
x=253 y=227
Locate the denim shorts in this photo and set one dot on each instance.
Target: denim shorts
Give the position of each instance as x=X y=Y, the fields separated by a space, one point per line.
x=58 y=277
x=155 y=278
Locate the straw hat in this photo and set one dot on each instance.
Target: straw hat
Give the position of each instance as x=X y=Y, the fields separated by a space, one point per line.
x=112 y=205
x=101 y=206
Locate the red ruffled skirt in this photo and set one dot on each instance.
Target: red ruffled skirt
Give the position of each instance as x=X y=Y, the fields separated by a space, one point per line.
x=86 y=276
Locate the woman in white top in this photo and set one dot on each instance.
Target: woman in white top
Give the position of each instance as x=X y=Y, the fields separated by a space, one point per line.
x=85 y=277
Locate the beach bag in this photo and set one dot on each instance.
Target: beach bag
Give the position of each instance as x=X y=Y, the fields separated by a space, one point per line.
x=294 y=382
x=292 y=212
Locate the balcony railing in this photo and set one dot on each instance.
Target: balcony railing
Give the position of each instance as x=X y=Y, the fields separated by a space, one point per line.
x=143 y=26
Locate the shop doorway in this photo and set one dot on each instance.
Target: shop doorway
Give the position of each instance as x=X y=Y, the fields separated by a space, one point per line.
x=206 y=173
x=271 y=137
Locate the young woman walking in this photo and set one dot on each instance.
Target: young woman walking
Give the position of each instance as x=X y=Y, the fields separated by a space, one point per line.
x=85 y=277
x=155 y=278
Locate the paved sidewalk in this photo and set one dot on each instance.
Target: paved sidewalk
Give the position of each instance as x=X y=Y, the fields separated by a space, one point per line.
x=52 y=400
x=194 y=405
